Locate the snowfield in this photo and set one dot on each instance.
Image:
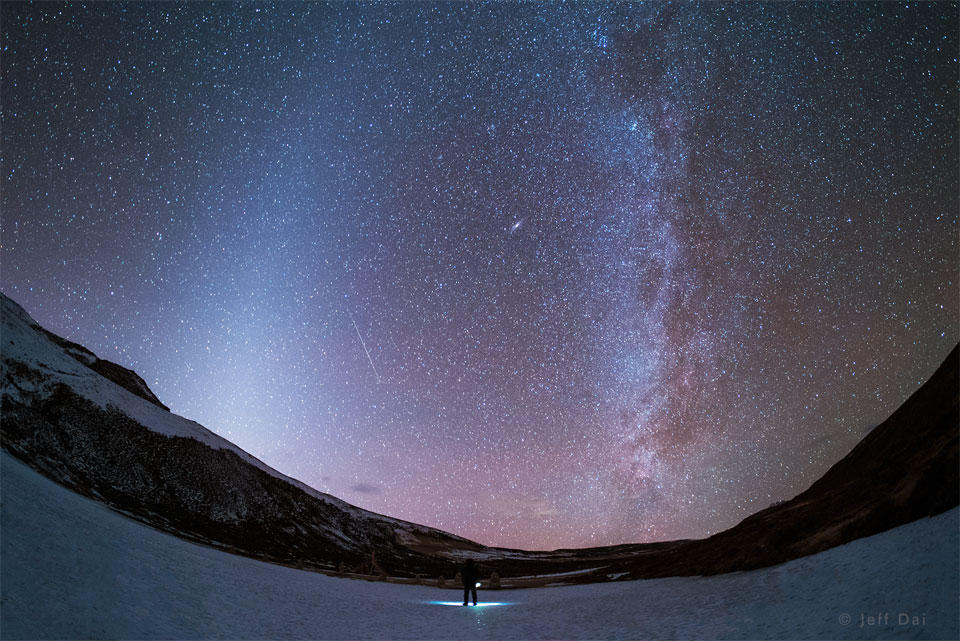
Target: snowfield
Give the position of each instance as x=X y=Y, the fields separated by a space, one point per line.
x=72 y=568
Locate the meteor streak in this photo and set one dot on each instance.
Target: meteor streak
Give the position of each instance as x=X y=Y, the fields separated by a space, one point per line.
x=364 y=345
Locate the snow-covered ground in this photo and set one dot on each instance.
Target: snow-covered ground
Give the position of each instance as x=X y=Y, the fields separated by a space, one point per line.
x=71 y=568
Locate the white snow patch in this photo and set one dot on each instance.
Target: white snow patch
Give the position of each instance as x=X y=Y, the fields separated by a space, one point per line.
x=554 y=574
x=500 y=553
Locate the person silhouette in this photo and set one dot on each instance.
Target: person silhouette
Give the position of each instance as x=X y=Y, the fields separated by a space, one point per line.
x=469 y=575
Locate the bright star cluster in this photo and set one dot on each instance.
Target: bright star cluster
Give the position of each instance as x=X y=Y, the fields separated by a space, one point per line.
x=540 y=274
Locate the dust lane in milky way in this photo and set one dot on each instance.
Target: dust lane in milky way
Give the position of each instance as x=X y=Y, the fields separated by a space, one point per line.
x=540 y=275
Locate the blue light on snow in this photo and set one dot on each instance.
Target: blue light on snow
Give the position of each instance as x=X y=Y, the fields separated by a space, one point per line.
x=484 y=604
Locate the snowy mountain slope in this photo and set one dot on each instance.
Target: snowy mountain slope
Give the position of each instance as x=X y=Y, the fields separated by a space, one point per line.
x=71 y=568
x=58 y=361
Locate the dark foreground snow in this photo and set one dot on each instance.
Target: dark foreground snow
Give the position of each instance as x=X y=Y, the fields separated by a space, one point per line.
x=71 y=568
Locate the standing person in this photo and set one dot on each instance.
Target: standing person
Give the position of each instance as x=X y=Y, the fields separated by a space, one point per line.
x=469 y=574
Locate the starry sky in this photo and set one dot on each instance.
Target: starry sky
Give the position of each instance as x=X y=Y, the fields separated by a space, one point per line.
x=541 y=275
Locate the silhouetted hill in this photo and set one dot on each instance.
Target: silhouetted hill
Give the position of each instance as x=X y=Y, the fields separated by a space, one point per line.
x=903 y=470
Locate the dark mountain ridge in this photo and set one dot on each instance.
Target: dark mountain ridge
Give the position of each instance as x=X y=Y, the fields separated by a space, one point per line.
x=96 y=428
x=125 y=378
x=904 y=469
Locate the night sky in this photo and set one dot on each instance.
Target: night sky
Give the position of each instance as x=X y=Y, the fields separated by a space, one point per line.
x=541 y=275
